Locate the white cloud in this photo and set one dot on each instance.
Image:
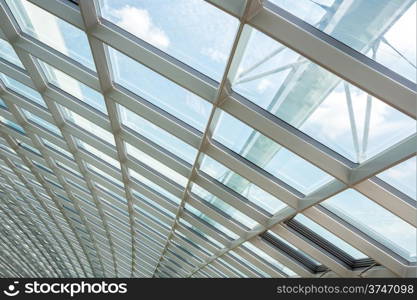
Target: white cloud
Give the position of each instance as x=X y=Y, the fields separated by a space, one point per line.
x=402 y=34
x=330 y=122
x=197 y=105
x=139 y=22
x=263 y=85
x=214 y=54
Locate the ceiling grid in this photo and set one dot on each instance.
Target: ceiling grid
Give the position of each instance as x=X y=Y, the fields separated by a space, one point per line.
x=130 y=205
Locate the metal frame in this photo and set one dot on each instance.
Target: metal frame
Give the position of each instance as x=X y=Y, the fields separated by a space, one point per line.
x=136 y=238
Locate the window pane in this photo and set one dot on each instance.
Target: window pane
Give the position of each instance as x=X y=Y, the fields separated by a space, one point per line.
x=375 y=221
x=22 y=89
x=330 y=237
x=87 y=125
x=71 y=170
x=52 y=31
x=160 y=91
x=74 y=87
x=8 y=53
x=41 y=122
x=105 y=175
x=2 y=104
x=157 y=135
x=241 y=185
x=384 y=30
x=98 y=154
x=223 y=206
x=269 y=155
x=293 y=248
x=156 y=165
x=402 y=177
x=317 y=102
x=269 y=259
x=192 y=31
x=202 y=234
x=29 y=148
x=12 y=124
x=141 y=197
x=152 y=185
x=199 y=215
x=57 y=148
x=248 y=264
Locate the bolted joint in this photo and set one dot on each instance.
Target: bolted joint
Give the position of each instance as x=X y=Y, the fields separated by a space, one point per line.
x=253 y=7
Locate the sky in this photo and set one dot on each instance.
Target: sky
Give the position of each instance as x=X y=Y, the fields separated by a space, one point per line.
x=401 y=35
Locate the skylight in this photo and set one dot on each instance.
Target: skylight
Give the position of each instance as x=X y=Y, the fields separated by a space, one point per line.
x=197 y=138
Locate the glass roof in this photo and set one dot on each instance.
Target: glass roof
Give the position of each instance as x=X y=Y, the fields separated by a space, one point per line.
x=192 y=139
x=379 y=29
x=402 y=177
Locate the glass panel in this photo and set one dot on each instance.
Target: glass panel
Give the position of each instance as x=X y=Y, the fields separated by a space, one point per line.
x=187 y=240
x=57 y=148
x=317 y=102
x=20 y=165
x=157 y=135
x=83 y=188
x=87 y=125
x=232 y=268
x=197 y=34
x=105 y=175
x=241 y=185
x=375 y=221
x=12 y=125
x=41 y=122
x=330 y=237
x=153 y=186
x=3 y=105
x=29 y=148
x=269 y=155
x=156 y=165
x=73 y=87
x=141 y=197
x=199 y=232
x=217 y=272
x=113 y=194
x=160 y=91
x=269 y=259
x=22 y=89
x=209 y=220
x=7 y=53
x=294 y=249
x=248 y=264
x=385 y=30
x=223 y=206
x=402 y=177
x=52 y=31
x=99 y=154
x=152 y=217
x=71 y=170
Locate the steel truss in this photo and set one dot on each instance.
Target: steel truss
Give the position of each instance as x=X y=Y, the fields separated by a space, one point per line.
x=104 y=237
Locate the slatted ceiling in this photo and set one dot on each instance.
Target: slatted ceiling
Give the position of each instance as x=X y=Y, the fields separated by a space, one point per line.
x=216 y=168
